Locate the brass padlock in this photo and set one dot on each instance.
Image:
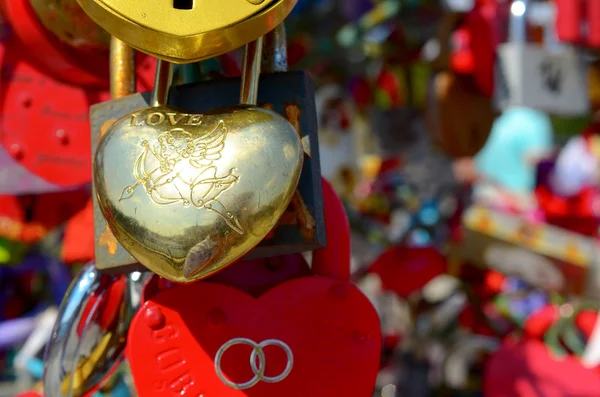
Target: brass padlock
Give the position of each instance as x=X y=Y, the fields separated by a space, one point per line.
x=189 y=193
x=182 y=32
x=301 y=228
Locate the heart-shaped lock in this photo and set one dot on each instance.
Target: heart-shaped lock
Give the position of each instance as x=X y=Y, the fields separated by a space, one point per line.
x=316 y=335
x=188 y=194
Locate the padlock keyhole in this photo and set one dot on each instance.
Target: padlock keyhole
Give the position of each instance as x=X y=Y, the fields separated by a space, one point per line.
x=183 y=4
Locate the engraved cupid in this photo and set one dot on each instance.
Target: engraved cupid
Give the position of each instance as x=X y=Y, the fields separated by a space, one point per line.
x=177 y=168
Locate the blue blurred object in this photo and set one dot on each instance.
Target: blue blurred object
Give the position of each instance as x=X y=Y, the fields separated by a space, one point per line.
x=35 y=367
x=419 y=238
x=429 y=214
x=506 y=157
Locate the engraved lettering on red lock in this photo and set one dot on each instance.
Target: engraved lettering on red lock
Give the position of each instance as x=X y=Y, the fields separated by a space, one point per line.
x=182 y=383
x=44 y=158
x=48 y=111
x=170 y=360
x=159 y=385
x=169 y=332
x=258 y=362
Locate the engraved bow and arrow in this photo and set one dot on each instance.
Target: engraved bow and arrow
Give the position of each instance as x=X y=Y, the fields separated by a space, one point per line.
x=179 y=169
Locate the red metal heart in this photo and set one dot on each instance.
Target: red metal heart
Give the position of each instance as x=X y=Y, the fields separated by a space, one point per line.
x=330 y=328
x=44 y=128
x=45 y=124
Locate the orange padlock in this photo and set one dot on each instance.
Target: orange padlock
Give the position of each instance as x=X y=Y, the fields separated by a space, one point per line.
x=305 y=335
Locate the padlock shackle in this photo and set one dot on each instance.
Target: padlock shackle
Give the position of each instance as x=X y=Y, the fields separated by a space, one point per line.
x=333 y=260
x=162 y=83
x=122 y=69
x=517 y=32
x=251 y=72
x=275 y=58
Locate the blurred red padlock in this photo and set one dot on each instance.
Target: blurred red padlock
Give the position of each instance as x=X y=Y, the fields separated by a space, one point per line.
x=85 y=66
x=487 y=23
x=57 y=59
x=569 y=17
x=593 y=23
x=315 y=335
x=78 y=238
x=586 y=321
x=461 y=58
x=44 y=123
x=540 y=322
x=45 y=133
x=28 y=219
x=405 y=270
x=578 y=22
x=528 y=369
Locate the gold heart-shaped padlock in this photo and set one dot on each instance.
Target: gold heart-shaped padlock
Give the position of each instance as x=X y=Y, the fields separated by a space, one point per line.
x=187 y=194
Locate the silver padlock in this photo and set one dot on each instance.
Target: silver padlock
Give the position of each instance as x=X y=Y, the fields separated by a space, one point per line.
x=550 y=78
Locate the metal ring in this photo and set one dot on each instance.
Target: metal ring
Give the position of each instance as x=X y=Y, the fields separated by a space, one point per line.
x=258 y=362
x=288 y=368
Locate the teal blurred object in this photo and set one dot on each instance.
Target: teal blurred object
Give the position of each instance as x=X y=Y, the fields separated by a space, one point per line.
x=35 y=367
x=517 y=136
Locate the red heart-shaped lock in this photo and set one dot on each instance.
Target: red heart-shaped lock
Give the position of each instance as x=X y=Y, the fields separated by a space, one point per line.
x=309 y=336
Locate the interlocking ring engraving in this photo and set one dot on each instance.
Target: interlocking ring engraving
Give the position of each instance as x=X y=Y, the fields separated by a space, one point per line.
x=258 y=366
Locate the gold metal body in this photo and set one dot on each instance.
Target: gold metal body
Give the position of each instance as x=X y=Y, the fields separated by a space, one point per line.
x=188 y=194
x=69 y=22
x=184 y=36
